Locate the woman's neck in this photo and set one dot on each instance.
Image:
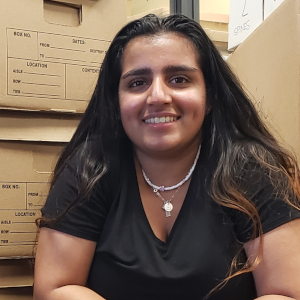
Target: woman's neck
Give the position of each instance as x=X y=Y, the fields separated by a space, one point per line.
x=167 y=169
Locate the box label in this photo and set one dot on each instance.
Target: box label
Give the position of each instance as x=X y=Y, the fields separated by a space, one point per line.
x=20 y=207
x=48 y=65
x=244 y=17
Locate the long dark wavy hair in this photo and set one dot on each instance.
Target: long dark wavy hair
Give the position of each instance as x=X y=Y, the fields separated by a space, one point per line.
x=232 y=128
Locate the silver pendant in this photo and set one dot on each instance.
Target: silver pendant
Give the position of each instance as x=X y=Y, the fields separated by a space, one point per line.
x=168 y=207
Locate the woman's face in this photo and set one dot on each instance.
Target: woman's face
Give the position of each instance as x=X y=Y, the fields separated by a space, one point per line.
x=162 y=93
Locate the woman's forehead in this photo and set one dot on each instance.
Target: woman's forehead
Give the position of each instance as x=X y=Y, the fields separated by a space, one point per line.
x=160 y=38
x=166 y=47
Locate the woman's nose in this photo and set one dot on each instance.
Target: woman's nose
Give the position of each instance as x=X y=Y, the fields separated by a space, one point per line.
x=159 y=93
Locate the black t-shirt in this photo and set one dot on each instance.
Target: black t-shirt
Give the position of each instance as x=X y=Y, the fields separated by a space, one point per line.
x=130 y=262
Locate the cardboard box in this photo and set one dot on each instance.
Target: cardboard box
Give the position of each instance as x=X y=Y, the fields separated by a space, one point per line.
x=52 y=50
x=33 y=126
x=270 y=6
x=268 y=64
x=23 y=190
x=24 y=293
x=26 y=162
x=16 y=273
x=244 y=17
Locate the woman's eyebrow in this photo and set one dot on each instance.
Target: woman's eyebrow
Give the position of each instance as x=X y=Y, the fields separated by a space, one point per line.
x=136 y=72
x=179 y=68
x=168 y=69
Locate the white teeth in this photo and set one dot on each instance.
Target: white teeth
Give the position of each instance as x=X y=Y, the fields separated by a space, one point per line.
x=157 y=120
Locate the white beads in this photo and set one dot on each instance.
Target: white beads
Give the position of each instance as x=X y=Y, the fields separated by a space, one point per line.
x=173 y=187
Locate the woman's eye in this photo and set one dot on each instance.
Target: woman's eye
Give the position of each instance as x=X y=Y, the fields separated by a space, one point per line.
x=137 y=83
x=180 y=79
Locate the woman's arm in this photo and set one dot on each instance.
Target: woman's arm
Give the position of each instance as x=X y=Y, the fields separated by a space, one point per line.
x=62 y=266
x=277 y=277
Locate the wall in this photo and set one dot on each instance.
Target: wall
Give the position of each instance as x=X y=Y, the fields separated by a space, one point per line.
x=215 y=6
x=206 y=6
x=139 y=6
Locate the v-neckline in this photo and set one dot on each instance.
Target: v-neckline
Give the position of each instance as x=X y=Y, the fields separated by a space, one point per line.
x=178 y=218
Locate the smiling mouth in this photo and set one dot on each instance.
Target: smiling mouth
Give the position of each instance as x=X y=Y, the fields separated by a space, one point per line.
x=157 y=120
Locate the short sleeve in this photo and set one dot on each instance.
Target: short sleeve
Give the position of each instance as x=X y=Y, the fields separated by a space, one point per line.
x=273 y=210
x=84 y=220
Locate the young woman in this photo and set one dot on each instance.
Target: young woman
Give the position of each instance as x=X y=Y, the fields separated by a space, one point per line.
x=172 y=187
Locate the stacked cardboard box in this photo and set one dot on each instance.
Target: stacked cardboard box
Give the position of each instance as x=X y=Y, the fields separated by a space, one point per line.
x=52 y=50
x=50 y=59
x=268 y=64
x=29 y=145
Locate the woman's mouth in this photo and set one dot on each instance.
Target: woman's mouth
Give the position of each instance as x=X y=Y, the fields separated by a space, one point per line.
x=157 y=120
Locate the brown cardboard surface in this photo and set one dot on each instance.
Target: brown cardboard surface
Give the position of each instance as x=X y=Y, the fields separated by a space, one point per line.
x=18 y=293
x=52 y=50
x=267 y=63
x=25 y=171
x=29 y=146
x=33 y=126
x=16 y=273
x=62 y=13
